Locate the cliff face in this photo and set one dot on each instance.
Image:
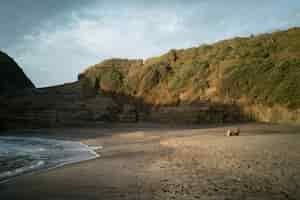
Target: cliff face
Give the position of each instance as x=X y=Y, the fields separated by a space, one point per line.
x=12 y=76
x=259 y=75
x=53 y=107
x=236 y=80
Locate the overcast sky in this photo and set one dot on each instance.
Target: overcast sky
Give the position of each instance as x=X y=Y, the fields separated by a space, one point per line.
x=54 y=40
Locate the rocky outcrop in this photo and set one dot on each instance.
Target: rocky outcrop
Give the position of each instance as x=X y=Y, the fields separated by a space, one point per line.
x=65 y=105
x=12 y=76
x=53 y=107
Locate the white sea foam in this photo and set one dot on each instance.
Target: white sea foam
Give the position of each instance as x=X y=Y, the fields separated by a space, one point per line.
x=14 y=172
x=19 y=155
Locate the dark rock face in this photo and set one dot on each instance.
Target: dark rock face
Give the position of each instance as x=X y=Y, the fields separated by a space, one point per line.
x=64 y=105
x=12 y=76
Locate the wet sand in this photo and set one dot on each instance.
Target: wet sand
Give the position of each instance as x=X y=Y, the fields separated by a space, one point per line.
x=160 y=162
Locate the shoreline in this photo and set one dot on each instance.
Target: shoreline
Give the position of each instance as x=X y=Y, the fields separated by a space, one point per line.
x=36 y=150
x=154 y=163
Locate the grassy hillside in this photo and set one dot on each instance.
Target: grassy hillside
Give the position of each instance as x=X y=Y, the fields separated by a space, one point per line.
x=258 y=70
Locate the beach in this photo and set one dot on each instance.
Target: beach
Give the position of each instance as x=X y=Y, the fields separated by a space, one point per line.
x=148 y=161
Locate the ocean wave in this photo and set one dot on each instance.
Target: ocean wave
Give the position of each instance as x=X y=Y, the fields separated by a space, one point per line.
x=20 y=155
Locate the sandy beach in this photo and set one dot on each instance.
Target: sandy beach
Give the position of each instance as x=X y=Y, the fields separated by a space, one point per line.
x=162 y=162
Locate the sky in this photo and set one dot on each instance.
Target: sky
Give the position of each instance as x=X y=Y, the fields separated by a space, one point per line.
x=54 y=40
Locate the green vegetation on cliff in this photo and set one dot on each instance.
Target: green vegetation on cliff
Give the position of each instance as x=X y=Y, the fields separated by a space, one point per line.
x=263 y=69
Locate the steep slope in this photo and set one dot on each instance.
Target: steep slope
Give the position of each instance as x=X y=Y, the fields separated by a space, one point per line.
x=12 y=76
x=258 y=74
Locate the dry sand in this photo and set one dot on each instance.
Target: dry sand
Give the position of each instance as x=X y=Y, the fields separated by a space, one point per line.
x=159 y=162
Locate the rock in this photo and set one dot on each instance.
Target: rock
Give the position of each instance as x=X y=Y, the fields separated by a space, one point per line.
x=12 y=76
x=231 y=132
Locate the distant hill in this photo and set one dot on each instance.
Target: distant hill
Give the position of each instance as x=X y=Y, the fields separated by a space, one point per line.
x=260 y=74
x=12 y=76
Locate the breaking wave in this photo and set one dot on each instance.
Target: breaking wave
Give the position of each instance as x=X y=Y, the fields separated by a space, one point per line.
x=19 y=155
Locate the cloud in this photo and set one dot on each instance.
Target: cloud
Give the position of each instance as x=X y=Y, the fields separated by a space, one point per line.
x=64 y=46
x=59 y=53
x=22 y=17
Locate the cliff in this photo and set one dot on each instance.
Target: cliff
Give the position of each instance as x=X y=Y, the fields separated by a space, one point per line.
x=236 y=80
x=12 y=76
x=259 y=74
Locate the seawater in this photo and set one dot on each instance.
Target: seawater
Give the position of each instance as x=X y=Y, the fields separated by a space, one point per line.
x=19 y=155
